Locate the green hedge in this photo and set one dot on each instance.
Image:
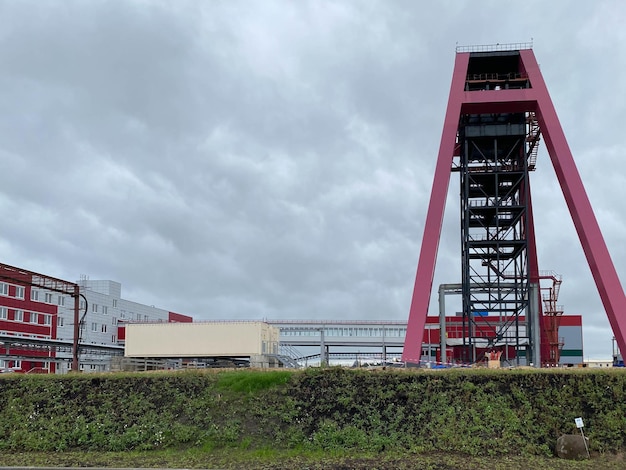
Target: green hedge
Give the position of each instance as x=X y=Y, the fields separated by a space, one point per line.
x=474 y=412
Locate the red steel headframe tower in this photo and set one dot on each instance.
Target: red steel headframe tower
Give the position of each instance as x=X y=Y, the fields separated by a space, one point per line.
x=497 y=106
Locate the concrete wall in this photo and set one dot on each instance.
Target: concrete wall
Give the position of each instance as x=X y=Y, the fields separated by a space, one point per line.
x=211 y=339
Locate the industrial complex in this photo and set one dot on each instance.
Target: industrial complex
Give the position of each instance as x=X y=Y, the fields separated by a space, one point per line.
x=38 y=319
x=498 y=113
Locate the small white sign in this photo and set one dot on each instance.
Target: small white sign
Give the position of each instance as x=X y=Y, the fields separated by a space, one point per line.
x=579 y=422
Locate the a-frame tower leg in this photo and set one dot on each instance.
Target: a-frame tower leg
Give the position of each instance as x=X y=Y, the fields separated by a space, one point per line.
x=434 y=219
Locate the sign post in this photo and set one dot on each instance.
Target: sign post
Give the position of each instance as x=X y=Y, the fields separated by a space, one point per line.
x=580 y=425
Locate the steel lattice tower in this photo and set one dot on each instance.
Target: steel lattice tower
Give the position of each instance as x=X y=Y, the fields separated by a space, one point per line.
x=497 y=108
x=493 y=167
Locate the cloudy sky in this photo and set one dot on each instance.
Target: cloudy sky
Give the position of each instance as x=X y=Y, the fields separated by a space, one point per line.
x=251 y=159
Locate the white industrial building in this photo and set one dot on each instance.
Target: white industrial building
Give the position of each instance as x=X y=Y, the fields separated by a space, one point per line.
x=253 y=341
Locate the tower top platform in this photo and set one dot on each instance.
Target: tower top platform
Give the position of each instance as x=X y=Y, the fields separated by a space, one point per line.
x=514 y=46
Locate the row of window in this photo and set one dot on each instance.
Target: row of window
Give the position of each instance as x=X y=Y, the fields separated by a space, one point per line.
x=132 y=316
x=102 y=328
x=95 y=308
x=92 y=367
x=487 y=331
x=358 y=332
x=24 y=335
x=13 y=364
x=20 y=315
x=9 y=290
x=17 y=364
x=46 y=297
x=104 y=309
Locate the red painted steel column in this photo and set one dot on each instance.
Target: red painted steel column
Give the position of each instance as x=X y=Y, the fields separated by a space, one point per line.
x=591 y=239
x=434 y=219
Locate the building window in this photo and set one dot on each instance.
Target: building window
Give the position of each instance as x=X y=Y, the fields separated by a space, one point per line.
x=47 y=319
x=104 y=328
x=4 y=289
x=34 y=295
x=48 y=297
x=19 y=292
x=17 y=364
x=105 y=310
x=34 y=317
x=145 y=318
x=114 y=303
x=19 y=315
x=113 y=320
x=59 y=321
x=114 y=339
x=94 y=308
x=94 y=327
x=3 y=313
x=61 y=301
x=81 y=304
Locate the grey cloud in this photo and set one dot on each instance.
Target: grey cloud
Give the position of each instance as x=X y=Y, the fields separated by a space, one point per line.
x=274 y=159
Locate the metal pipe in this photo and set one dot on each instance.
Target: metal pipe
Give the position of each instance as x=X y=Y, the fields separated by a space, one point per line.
x=442 y=323
x=76 y=295
x=533 y=307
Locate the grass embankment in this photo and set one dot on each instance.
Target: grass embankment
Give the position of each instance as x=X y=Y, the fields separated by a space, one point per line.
x=283 y=419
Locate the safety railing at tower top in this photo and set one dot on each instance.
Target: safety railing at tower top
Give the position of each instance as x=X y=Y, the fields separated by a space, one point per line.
x=514 y=46
x=495 y=77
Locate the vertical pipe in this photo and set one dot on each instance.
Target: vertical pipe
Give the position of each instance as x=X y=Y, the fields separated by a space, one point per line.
x=535 y=330
x=442 y=323
x=75 y=366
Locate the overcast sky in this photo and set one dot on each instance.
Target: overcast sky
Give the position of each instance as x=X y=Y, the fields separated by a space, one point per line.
x=259 y=159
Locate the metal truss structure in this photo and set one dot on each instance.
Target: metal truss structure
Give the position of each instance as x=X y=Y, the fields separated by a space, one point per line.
x=498 y=107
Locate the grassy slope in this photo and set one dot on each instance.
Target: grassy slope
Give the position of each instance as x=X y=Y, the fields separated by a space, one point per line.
x=273 y=418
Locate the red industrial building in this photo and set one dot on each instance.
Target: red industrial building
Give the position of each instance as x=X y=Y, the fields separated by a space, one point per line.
x=486 y=341
x=23 y=314
x=39 y=331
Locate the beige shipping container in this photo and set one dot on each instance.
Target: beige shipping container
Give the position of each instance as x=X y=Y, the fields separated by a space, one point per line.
x=210 y=339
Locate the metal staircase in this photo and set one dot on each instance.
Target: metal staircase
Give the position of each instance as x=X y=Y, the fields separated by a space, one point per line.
x=532 y=140
x=552 y=314
x=289 y=356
